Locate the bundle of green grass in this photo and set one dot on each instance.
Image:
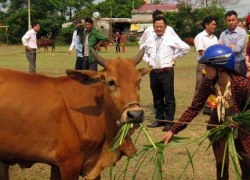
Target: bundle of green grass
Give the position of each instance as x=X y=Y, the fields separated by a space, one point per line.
x=151 y=154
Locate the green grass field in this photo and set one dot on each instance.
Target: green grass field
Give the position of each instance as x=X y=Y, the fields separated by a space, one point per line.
x=54 y=64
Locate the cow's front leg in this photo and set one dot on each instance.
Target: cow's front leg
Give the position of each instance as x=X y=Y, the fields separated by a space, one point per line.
x=4 y=171
x=55 y=173
x=71 y=168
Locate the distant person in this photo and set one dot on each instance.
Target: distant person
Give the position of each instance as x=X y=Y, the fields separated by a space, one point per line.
x=235 y=38
x=248 y=58
x=30 y=44
x=248 y=22
x=150 y=30
x=241 y=24
x=202 y=41
x=161 y=49
x=123 y=41
x=77 y=43
x=117 y=42
x=92 y=38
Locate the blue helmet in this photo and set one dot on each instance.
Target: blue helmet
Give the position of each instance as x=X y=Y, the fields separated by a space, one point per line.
x=219 y=56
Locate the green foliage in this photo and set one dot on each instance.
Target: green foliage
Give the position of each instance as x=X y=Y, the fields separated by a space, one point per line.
x=188 y=22
x=86 y=12
x=118 y=8
x=50 y=14
x=65 y=34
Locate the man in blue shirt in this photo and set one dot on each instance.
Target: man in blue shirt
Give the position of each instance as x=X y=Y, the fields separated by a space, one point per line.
x=235 y=38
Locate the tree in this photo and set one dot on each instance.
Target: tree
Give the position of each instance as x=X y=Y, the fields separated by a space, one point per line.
x=118 y=8
x=50 y=14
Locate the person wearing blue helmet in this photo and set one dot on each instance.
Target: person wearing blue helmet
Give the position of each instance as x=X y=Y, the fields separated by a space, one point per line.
x=232 y=91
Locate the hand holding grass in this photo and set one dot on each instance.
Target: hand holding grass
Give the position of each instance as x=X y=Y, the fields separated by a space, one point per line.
x=167 y=137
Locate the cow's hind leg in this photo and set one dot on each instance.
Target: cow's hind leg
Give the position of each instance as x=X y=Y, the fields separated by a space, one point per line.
x=4 y=171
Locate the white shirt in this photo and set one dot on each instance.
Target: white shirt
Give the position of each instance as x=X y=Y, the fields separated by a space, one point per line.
x=203 y=40
x=73 y=43
x=29 y=39
x=170 y=47
x=150 y=31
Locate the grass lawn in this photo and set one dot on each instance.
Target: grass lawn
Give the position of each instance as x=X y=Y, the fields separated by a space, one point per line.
x=54 y=64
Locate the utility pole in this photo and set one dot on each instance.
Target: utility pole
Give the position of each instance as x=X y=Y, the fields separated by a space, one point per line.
x=29 y=23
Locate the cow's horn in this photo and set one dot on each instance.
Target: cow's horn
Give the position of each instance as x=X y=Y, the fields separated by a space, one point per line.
x=139 y=56
x=100 y=60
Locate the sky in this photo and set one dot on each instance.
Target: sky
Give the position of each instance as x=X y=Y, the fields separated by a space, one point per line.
x=242 y=7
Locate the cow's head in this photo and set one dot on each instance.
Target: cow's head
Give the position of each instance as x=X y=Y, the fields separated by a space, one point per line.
x=122 y=82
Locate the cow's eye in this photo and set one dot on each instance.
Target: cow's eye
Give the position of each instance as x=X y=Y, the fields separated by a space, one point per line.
x=111 y=82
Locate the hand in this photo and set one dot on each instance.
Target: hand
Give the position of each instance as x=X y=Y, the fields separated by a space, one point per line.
x=232 y=124
x=232 y=45
x=28 y=49
x=167 y=137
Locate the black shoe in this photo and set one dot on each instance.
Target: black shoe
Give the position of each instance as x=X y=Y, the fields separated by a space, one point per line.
x=156 y=124
x=166 y=128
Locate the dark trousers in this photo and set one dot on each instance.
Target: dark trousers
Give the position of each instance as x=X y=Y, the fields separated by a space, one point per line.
x=218 y=149
x=162 y=87
x=117 y=47
x=79 y=63
x=87 y=66
x=31 y=57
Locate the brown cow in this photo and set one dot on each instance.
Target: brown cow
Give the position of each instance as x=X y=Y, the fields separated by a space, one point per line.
x=189 y=41
x=45 y=42
x=69 y=122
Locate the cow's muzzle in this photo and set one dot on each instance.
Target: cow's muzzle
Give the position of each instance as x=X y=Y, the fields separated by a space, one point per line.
x=131 y=113
x=135 y=116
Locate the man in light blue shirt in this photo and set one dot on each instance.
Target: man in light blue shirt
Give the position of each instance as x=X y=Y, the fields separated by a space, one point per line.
x=235 y=38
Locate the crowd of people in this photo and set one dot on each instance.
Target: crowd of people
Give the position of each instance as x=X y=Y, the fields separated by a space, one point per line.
x=223 y=69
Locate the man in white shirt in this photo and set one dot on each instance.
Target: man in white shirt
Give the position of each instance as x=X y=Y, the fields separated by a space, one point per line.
x=77 y=43
x=202 y=41
x=161 y=49
x=150 y=30
x=29 y=42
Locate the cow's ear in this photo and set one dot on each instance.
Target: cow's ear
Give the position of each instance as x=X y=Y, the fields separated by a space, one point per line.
x=144 y=71
x=85 y=76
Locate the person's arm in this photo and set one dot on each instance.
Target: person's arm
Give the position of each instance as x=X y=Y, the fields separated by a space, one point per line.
x=192 y=111
x=240 y=45
x=181 y=47
x=73 y=42
x=144 y=37
x=25 y=39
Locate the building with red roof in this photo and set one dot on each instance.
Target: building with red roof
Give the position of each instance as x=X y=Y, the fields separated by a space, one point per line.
x=146 y=10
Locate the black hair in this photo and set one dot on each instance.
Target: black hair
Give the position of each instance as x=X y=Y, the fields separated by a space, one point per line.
x=89 y=20
x=158 y=18
x=208 y=20
x=34 y=24
x=156 y=13
x=231 y=13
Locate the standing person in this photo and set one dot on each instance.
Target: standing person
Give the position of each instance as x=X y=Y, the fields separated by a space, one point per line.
x=77 y=44
x=235 y=38
x=161 y=49
x=150 y=30
x=234 y=90
x=92 y=38
x=117 y=42
x=29 y=42
x=123 y=41
x=202 y=41
x=248 y=58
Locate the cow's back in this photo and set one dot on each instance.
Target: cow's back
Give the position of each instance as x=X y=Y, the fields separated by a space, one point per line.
x=37 y=113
